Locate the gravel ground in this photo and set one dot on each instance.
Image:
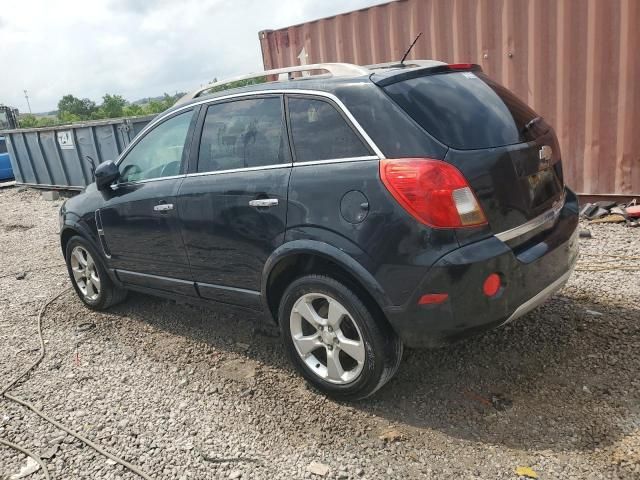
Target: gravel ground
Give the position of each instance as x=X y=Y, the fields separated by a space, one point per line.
x=193 y=394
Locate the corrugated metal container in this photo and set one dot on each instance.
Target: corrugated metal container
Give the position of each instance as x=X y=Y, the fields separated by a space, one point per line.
x=576 y=62
x=57 y=156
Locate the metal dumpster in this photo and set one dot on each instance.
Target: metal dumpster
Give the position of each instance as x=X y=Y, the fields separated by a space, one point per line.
x=57 y=157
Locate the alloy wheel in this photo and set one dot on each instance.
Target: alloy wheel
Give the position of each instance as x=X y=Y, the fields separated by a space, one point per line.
x=327 y=338
x=85 y=273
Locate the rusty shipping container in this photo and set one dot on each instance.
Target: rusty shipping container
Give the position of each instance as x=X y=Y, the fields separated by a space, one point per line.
x=576 y=62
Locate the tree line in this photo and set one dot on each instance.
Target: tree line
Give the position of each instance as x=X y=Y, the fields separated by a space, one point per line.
x=72 y=109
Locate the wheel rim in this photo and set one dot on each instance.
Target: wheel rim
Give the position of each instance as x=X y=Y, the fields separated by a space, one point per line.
x=85 y=273
x=327 y=338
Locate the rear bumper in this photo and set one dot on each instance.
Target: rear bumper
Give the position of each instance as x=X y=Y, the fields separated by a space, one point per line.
x=540 y=297
x=530 y=274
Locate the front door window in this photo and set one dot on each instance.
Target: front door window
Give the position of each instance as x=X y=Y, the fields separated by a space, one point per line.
x=159 y=153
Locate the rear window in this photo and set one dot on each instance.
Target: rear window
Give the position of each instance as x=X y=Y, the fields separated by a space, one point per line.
x=320 y=133
x=3 y=146
x=466 y=110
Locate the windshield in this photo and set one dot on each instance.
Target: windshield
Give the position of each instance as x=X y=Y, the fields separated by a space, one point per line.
x=467 y=110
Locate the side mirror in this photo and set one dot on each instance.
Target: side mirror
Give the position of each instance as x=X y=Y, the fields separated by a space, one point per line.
x=106 y=173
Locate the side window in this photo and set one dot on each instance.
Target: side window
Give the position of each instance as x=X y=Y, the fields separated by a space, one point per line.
x=159 y=153
x=243 y=133
x=320 y=133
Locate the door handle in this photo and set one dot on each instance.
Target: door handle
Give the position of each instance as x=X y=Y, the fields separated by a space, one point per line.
x=264 y=202
x=163 y=207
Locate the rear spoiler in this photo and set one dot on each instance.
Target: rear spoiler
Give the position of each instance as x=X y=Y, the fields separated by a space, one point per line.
x=390 y=77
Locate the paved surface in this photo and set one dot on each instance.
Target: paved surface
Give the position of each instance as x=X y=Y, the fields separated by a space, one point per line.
x=194 y=394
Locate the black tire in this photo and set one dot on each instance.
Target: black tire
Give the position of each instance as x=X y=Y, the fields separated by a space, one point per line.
x=383 y=348
x=109 y=294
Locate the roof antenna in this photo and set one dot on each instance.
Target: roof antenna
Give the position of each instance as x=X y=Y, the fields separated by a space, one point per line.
x=409 y=49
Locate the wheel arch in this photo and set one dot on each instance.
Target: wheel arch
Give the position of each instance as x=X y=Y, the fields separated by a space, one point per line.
x=70 y=230
x=300 y=257
x=66 y=234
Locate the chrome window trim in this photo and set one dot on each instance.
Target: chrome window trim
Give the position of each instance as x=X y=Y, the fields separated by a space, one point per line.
x=241 y=169
x=336 y=160
x=115 y=186
x=252 y=169
x=279 y=91
x=548 y=216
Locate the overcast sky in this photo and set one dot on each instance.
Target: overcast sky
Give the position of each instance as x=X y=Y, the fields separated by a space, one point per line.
x=136 y=48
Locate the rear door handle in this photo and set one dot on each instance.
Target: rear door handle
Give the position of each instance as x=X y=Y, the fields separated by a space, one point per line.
x=264 y=202
x=163 y=207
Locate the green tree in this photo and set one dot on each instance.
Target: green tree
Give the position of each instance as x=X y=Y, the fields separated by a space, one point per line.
x=157 y=106
x=81 y=108
x=31 y=121
x=68 y=117
x=133 y=110
x=154 y=106
x=28 y=121
x=113 y=106
x=46 y=122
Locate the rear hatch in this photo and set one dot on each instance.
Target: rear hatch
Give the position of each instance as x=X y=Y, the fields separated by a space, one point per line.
x=508 y=154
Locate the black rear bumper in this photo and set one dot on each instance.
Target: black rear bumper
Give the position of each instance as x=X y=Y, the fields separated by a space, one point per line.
x=530 y=273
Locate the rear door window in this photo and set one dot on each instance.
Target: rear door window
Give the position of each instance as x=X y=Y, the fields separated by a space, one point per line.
x=243 y=133
x=466 y=110
x=319 y=132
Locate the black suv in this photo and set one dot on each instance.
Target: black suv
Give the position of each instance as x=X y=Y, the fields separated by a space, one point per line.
x=360 y=210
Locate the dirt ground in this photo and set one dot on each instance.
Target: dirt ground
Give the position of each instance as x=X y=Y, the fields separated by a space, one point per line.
x=188 y=393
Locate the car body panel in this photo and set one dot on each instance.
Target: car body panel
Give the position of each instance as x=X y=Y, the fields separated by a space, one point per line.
x=400 y=249
x=214 y=247
x=139 y=237
x=227 y=240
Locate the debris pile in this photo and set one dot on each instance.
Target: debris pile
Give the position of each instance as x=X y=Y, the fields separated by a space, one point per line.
x=607 y=211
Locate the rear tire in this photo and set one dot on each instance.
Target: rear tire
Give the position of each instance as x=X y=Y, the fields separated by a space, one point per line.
x=334 y=340
x=89 y=277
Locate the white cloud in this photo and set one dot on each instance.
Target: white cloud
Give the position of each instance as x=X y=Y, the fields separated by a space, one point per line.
x=136 y=48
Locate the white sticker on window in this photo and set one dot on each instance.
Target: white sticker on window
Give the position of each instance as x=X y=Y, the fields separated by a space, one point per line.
x=469 y=75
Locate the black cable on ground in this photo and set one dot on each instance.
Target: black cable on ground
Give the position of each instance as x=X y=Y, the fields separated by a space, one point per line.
x=3 y=393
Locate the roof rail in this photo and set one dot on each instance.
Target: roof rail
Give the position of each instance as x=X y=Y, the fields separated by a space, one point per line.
x=334 y=69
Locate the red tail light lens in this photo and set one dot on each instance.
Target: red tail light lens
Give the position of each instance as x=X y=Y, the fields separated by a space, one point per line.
x=491 y=285
x=432 y=191
x=433 y=298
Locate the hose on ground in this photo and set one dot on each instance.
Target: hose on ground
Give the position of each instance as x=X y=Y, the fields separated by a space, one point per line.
x=4 y=393
x=29 y=453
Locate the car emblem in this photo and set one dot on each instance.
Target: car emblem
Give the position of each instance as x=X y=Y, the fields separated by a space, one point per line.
x=545 y=155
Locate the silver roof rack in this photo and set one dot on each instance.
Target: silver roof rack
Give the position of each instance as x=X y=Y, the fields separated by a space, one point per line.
x=333 y=69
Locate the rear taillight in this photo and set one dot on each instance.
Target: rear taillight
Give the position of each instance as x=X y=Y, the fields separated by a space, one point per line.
x=432 y=191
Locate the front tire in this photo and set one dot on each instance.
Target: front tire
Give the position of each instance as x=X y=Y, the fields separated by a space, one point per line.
x=88 y=276
x=334 y=340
